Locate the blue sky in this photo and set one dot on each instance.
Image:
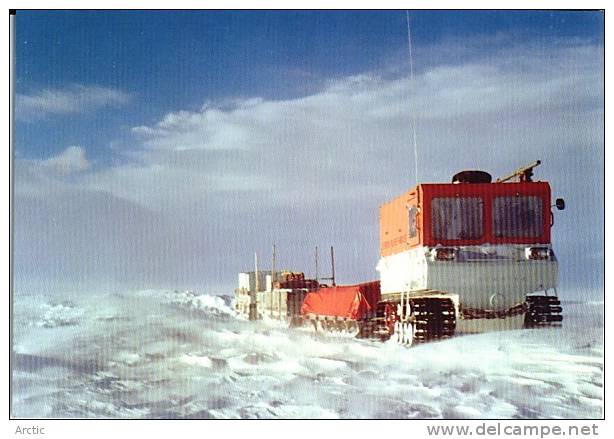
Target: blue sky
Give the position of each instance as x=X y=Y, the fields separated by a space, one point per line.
x=143 y=134
x=169 y=61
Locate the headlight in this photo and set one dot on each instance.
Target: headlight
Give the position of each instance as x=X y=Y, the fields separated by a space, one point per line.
x=444 y=254
x=538 y=253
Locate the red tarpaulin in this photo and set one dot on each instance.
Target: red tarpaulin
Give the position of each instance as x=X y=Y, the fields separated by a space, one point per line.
x=350 y=301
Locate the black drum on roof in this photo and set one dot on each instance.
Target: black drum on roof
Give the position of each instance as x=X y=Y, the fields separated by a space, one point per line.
x=472 y=177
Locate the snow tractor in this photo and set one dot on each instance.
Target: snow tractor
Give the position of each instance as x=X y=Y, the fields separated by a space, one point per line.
x=468 y=256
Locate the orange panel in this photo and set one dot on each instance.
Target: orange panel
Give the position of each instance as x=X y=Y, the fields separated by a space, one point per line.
x=395 y=223
x=487 y=191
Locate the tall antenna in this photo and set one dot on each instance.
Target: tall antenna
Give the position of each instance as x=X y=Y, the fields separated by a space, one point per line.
x=273 y=277
x=316 y=263
x=253 y=294
x=332 y=266
x=411 y=91
x=332 y=263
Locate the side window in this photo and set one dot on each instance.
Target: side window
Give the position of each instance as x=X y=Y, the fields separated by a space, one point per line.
x=412 y=212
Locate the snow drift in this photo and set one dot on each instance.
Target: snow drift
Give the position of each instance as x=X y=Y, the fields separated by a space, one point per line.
x=165 y=354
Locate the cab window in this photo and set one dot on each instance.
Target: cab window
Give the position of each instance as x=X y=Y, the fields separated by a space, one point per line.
x=457 y=218
x=517 y=217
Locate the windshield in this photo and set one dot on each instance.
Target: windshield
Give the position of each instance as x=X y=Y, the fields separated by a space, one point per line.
x=456 y=218
x=517 y=217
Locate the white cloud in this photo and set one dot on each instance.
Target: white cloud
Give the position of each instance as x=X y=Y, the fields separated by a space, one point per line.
x=46 y=178
x=71 y=160
x=74 y=99
x=353 y=139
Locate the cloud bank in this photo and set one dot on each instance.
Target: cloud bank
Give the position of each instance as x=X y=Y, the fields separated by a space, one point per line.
x=71 y=160
x=199 y=191
x=69 y=100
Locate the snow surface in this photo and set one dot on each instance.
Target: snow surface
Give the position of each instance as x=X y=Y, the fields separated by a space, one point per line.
x=165 y=354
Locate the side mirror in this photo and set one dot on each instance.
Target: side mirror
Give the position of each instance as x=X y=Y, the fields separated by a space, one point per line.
x=560 y=204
